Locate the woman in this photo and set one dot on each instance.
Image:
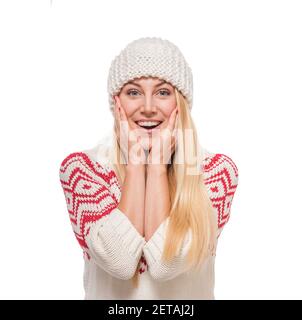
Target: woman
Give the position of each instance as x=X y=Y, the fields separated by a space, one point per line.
x=148 y=207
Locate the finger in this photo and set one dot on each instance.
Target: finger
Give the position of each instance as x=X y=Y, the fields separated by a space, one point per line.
x=117 y=120
x=121 y=110
x=123 y=114
x=116 y=109
x=117 y=128
x=116 y=116
x=124 y=121
x=125 y=127
x=173 y=116
x=172 y=119
x=176 y=122
x=118 y=101
x=175 y=137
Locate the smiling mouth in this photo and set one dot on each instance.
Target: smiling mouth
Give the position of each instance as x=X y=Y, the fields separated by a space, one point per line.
x=149 y=128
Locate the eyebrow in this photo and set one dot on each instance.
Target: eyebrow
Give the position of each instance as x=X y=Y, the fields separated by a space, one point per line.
x=136 y=84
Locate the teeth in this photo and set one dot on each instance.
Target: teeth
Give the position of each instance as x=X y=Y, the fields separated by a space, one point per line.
x=148 y=123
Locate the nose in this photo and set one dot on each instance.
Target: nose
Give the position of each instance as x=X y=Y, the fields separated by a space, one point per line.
x=149 y=106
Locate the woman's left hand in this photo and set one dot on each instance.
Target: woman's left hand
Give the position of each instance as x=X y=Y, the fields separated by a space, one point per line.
x=163 y=142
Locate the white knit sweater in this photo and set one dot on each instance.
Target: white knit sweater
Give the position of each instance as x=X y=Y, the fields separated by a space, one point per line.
x=112 y=246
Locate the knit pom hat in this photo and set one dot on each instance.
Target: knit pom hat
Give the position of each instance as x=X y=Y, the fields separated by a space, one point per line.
x=150 y=56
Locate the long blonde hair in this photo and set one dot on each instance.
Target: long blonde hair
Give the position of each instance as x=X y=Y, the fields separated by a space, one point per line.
x=190 y=204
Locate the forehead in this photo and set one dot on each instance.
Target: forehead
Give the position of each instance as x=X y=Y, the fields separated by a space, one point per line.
x=146 y=81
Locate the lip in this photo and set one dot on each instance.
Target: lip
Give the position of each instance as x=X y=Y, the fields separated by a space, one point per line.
x=150 y=130
x=149 y=120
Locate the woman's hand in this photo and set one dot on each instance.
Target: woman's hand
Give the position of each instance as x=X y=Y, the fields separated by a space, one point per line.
x=167 y=139
x=130 y=142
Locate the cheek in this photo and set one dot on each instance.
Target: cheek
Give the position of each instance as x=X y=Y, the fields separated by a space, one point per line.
x=128 y=105
x=167 y=106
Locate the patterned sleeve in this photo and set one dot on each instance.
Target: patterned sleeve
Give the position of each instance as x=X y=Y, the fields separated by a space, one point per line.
x=153 y=250
x=105 y=234
x=221 y=180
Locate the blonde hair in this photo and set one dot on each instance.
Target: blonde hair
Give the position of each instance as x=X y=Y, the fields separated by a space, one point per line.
x=191 y=207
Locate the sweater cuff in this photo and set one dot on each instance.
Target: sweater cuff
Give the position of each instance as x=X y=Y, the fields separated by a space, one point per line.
x=153 y=248
x=117 y=222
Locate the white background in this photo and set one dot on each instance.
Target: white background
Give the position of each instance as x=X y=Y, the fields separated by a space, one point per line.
x=247 y=70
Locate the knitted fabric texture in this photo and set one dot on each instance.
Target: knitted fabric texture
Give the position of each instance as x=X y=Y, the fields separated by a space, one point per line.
x=113 y=248
x=154 y=57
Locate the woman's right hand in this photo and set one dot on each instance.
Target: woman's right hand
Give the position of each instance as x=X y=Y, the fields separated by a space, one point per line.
x=130 y=142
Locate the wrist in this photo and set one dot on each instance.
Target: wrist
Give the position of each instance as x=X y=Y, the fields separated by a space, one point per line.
x=157 y=168
x=130 y=167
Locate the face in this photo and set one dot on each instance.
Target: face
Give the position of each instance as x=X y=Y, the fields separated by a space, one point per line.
x=148 y=99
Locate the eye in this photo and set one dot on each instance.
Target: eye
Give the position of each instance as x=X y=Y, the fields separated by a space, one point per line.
x=165 y=91
x=130 y=91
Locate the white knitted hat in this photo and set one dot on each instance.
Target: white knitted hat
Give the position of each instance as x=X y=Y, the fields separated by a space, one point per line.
x=150 y=56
